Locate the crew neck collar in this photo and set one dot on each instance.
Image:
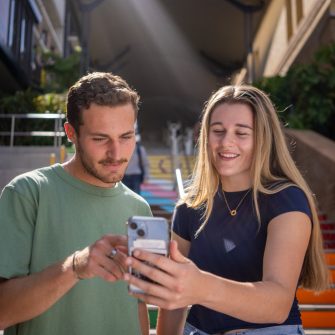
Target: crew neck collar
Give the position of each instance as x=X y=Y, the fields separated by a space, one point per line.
x=86 y=187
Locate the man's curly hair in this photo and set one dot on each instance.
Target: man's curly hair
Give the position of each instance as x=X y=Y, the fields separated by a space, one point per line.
x=101 y=88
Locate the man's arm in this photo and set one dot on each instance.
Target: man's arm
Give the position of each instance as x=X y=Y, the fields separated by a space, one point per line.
x=24 y=298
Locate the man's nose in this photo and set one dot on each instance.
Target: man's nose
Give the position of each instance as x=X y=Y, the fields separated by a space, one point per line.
x=113 y=150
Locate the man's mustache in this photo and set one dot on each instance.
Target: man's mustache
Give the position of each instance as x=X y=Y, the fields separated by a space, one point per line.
x=113 y=161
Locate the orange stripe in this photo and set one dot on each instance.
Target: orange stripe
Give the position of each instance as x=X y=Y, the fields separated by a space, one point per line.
x=330 y=258
x=309 y=297
x=325 y=319
x=332 y=276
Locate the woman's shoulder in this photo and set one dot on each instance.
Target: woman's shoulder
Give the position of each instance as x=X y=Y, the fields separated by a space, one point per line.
x=183 y=208
x=283 y=199
x=286 y=192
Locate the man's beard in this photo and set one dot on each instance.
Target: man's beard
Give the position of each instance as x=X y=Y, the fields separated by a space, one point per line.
x=91 y=170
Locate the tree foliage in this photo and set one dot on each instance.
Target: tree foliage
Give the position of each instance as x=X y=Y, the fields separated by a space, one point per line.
x=307 y=93
x=59 y=75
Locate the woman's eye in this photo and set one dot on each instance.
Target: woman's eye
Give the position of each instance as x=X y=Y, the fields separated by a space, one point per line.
x=242 y=134
x=218 y=131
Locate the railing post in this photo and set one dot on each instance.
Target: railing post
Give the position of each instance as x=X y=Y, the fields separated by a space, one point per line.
x=174 y=137
x=59 y=128
x=55 y=134
x=12 y=131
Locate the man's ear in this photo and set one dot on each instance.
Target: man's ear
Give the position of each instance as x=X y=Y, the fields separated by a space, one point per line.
x=70 y=132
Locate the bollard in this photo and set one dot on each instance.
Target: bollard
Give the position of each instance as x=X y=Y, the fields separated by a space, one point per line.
x=52 y=159
x=62 y=153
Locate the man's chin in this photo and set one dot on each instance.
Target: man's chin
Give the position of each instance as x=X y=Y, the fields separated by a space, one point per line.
x=112 y=180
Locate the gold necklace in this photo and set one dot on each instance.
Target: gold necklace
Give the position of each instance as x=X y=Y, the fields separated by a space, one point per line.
x=233 y=212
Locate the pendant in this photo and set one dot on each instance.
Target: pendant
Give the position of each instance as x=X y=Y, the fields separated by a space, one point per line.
x=233 y=212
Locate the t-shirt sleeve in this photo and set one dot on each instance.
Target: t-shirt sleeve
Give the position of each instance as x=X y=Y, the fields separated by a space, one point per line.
x=291 y=199
x=181 y=222
x=145 y=210
x=17 y=217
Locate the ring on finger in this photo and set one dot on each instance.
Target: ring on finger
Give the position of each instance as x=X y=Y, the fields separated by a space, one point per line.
x=112 y=254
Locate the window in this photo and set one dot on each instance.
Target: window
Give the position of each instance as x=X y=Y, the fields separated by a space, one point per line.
x=11 y=23
x=4 y=10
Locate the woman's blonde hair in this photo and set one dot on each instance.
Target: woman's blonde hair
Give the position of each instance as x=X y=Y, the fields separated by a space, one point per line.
x=272 y=170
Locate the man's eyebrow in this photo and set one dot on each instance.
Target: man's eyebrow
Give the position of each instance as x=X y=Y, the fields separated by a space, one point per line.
x=98 y=134
x=130 y=132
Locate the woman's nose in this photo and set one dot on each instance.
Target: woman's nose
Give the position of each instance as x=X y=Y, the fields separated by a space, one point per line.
x=228 y=139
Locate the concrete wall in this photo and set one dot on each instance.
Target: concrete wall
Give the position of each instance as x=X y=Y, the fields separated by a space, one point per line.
x=315 y=157
x=18 y=160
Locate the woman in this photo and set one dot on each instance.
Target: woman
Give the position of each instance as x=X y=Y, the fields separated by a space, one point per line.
x=248 y=225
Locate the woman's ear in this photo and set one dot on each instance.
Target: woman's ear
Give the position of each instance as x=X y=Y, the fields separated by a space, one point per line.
x=70 y=132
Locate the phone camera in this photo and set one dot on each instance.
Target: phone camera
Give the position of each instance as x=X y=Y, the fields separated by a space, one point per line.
x=133 y=225
x=141 y=232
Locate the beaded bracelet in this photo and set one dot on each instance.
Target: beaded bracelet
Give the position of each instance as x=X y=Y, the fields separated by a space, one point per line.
x=74 y=265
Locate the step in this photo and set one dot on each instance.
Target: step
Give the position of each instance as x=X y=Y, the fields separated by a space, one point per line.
x=330 y=258
x=328 y=235
x=314 y=331
x=322 y=216
x=328 y=244
x=310 y=297
x=327 y=225
x=318 y=316
x=332 y=273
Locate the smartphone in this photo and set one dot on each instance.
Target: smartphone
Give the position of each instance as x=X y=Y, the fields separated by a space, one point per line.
x=148 y=233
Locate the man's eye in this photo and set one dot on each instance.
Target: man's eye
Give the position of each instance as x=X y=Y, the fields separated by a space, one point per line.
x=98 y=139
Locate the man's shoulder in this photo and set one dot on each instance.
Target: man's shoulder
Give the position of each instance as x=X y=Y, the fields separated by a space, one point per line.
x=31 y=178
x=133 y=196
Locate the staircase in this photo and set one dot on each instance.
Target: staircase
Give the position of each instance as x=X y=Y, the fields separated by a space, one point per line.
x=161 y=190
x=318 y=311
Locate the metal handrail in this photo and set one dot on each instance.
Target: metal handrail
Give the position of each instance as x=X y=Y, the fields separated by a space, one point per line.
x=58 y=133
x=180 y=184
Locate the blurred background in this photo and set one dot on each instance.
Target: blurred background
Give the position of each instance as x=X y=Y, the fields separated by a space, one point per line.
x=175 y=53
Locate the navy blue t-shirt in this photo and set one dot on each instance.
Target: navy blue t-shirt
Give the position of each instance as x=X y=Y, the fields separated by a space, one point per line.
x=233 y=246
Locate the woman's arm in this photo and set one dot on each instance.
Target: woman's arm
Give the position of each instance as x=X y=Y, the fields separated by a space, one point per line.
x=171 y=322
x=269 y=300
x=143 y=317
x=266 y=301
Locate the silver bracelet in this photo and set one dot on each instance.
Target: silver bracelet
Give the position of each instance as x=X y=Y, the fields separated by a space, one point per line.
x=74 y=265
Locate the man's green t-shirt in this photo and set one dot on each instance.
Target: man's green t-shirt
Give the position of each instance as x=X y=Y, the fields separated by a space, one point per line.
x=45 y=215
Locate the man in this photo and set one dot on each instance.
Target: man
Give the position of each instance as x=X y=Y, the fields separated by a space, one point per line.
x=48 y=214
x=137 y=171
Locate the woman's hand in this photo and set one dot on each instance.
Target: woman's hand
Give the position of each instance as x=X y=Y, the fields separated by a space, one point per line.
x=177 y=279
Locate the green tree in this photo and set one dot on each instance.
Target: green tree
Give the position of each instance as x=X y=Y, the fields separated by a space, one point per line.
x=307 y=93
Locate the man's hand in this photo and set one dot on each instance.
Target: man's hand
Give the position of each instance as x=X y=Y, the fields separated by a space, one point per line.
x=105 y=259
